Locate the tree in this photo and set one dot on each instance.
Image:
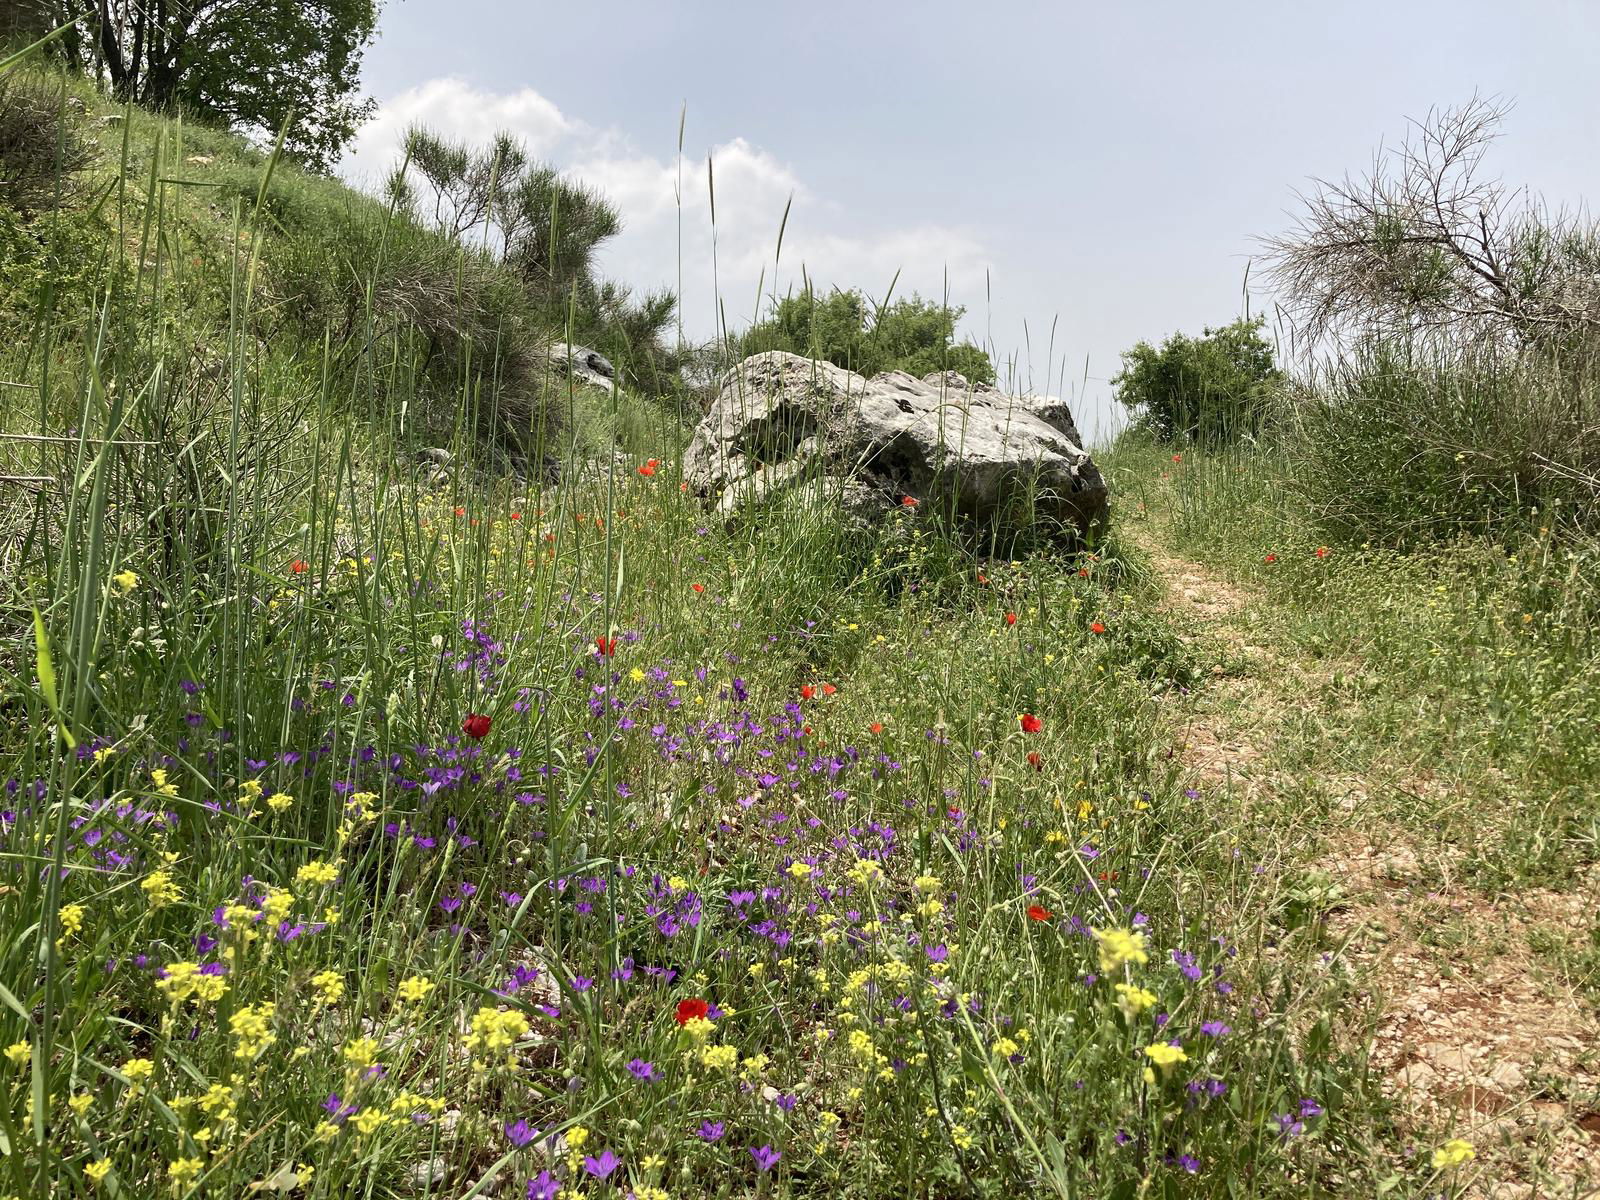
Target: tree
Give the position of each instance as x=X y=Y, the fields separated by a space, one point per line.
x=249 y=64
x=1210 y=390
x=1426 y=243
x=912 y=335
x=547 y=230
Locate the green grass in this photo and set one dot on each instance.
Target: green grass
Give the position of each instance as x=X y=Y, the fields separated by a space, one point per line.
x=1472 y=667
x=774 y=766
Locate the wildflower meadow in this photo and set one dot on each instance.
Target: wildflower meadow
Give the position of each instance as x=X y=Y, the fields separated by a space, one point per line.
x=376 y=831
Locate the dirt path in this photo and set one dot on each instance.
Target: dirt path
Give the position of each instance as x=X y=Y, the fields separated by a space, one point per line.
x=1478 y=1036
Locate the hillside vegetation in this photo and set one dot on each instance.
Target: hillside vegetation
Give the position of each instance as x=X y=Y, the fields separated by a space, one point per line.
x=387 y=833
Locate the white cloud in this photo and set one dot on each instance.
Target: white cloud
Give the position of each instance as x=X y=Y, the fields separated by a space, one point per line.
x=752 y=188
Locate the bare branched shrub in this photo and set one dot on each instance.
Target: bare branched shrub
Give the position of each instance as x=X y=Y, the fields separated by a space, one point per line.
x=1427 y=242
x=41 y=152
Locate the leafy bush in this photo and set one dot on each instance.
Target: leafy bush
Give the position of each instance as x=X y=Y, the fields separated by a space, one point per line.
x=544 y=230
x=912 y=335
x=1211 y=390
x=1401 y=446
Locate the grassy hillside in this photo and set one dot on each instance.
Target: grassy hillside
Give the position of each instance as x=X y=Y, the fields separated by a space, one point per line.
x=371 y=836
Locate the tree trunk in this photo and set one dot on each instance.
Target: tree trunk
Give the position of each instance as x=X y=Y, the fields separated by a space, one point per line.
x=111 y=53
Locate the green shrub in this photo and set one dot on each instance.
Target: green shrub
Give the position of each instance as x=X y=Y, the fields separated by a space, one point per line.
x=845 y=328
x=1211 y=390
x=1403 y=446
x=42 y=153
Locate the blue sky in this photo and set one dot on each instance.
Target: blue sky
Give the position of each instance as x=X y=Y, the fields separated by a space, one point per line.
x=1101 y=168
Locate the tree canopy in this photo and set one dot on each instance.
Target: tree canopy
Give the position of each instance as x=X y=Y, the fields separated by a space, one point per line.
x=845 y=328
x=546 y=229
x=1211 y=389
x=249 y=64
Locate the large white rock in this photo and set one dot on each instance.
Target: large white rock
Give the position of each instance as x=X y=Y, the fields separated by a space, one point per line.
x=587 y=367
x=780 y=420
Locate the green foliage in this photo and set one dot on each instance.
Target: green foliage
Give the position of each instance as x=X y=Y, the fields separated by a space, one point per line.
x=545 y=230
x=1211 y=390
x=912 y=335
x=250 y=67
x=1405 y=445
x=42 y=152
x=1470 y=661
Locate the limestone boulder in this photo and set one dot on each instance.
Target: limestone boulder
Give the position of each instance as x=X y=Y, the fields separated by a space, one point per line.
x=779 y=422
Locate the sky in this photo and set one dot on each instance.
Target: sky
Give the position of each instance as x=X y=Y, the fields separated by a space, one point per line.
x=1078 y=177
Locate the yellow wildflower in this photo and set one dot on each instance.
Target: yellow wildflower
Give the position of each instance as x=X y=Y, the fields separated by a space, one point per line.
x=126 y=580
x=97 y=1171
x=1453 y=1153
x=252 y=1028
x=71 y=920
x=1118 y=946
x=317 y=873
x=329 y=985
x=1164 y=1056
x=279 y=801
x=369 y=1120
x=495 y=1031
x=19 y=1054
x=698 y=1029
x=414 y=990
x=160 y=889
x=138 y=1070
x=1133 y=1000
x=361 y=1052
x=183 y=1171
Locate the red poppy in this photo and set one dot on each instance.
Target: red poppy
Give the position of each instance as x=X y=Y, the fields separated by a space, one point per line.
x=1011 y=618
x=807 y=691
x=1031 y=723
x=1177 y=458
x=908 y=501
x=1096 y=627
x=460 y=512
x=982 y=578
x=476 y=726
x=1083 y=572
x=876 y=727
x=1035 y=760
x=647 y=470
x=299 y=566
x=1271 y=558
x=694 y=1009
x=1108 y=876
x=697 y=587
x=516 y=516
x=606 y=646
x=1037 y=912
x=1322 y=552
x=828 y=689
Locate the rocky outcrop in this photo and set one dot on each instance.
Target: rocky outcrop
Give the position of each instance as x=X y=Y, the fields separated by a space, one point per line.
x=587 y=367
x=780 y=422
